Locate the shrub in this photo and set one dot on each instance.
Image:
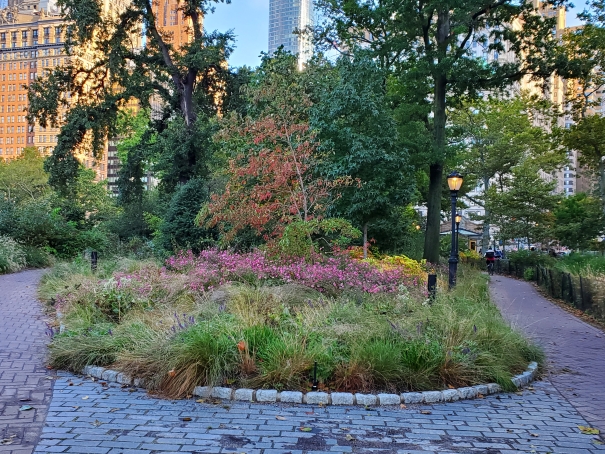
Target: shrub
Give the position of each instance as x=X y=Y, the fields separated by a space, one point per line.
x=529 y=274
x=12 y=255
x=37 y=257
x=269 y=332
x=179 y=230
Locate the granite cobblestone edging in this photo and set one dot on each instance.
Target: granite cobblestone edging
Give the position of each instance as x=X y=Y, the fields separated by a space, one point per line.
x=323 y=398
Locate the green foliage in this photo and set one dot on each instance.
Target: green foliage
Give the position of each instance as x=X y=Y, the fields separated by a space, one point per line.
x=178 y=230
x=120 y=75
x=270 y=336
x=427 y=48
x=524 y=210
x=300 y=237
x=359 y=140
x=529 y=274
x=579 y=219
x=23 y=178
x=529 y=259
x=12 y=256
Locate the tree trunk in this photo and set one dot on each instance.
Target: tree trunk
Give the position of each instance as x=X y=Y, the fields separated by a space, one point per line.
x=602 y=179
x=486 y=225
x=365 y=240
x=433 y=214
x=433 y=217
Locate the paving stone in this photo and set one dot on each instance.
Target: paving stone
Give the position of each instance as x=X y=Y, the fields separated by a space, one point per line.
x=316 y=398
x=430 y=397
x=342 y=398
x=202 y=391
x=366 y=399
x=221 y=393
x=450 y=395
x=411 y=398
x=294 y=397
x=389 y=399
x=244 y=394
x=266 y=395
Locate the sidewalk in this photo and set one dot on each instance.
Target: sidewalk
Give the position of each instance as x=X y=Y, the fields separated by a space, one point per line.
x=575 y=350
x=22 y=371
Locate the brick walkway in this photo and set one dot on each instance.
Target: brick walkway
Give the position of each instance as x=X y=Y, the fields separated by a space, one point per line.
x=576 y=350
x=23 y=377
x=86 y=417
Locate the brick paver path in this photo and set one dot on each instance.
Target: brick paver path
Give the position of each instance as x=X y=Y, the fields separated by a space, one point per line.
x=23 y=376
x=86 y=417
x=575 y=350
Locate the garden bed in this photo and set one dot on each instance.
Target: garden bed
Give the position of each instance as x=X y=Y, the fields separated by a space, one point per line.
x=245 y=321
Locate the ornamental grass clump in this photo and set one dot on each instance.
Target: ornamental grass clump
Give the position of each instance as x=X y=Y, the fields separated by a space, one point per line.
x=224 y=319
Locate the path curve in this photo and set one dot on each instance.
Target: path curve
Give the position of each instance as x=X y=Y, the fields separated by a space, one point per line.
x=23 y=375
x=575 y=349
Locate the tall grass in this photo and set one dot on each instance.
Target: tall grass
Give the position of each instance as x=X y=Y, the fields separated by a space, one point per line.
x=269 y=336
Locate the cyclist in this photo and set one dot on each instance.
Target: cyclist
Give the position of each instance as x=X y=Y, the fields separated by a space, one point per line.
x=490 y=260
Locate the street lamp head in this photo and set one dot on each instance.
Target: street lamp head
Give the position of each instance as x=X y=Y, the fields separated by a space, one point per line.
x=454 y=181
x=458 y=219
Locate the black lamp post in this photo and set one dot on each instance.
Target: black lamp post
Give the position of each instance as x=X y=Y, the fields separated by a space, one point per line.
x=454 y=181
x=458 y=219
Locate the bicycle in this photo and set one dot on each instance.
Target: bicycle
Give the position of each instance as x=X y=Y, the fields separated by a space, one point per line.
x=490 y=268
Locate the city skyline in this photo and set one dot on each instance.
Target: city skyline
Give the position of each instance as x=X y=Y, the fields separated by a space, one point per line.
x=250 y=22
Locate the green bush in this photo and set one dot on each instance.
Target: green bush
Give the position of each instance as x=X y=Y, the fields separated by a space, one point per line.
x=37 y=257
x=12 y=255
x=179 y=230
x=526 y=258
x=529 y=274
x=271 y=335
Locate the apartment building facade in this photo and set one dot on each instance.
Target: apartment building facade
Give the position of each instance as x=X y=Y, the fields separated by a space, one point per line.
x=285 y=17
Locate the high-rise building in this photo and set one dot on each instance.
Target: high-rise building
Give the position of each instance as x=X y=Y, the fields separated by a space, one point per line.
x=285 y=17
x=31 y=43
x=172 y=23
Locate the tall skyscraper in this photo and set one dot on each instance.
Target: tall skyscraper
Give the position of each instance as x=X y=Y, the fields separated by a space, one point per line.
x=285 y=17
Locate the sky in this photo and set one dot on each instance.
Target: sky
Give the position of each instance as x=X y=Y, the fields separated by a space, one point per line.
x=249 y=20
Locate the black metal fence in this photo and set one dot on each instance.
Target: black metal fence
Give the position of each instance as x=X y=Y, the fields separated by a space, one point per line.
x=586 y=294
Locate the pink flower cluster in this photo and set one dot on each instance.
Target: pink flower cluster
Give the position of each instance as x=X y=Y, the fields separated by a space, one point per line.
x=326 y=274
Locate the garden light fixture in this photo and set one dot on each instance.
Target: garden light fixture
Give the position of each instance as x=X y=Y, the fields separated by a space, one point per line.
x=454 y=181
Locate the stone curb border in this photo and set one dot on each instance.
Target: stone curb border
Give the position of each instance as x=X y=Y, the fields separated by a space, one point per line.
x=322 y=398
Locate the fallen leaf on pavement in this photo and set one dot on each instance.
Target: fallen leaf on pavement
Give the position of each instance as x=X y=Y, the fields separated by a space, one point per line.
x=402 y=406
x=281 y=418
x=305 y=429
x=26 y=408
x=589 y=430
x=426 y=412
x=85 y=398
x=186 y=418
x=350 y=438
x=113 y=410
x=24 y=399
x=97 y=423
x=534 y=435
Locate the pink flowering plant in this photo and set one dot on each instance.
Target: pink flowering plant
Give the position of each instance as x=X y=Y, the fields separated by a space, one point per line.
x=253 y=320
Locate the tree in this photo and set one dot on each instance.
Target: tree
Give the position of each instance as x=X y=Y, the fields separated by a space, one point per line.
x=178 y=229
x=359 y=140
x=108 y=70
x=524 y=209
x=579 y=219
x=428 y=46
x=24 y=177
x=500 y=134
x=588 y=138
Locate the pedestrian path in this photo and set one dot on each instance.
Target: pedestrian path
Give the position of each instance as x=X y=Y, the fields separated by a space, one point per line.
x=575 y=349
x=91 y=416
x=23 y=376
